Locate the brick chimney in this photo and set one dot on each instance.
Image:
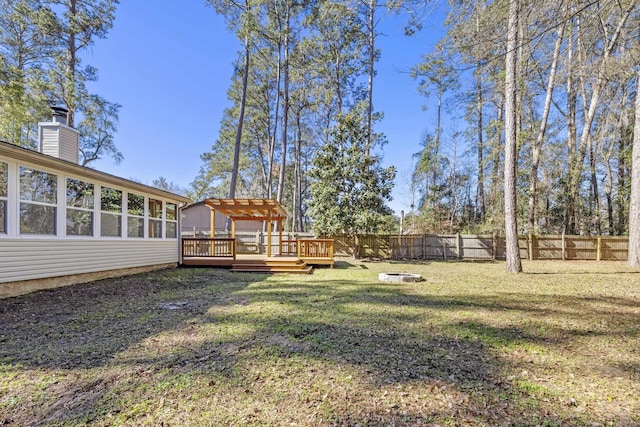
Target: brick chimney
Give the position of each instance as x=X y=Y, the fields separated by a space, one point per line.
x=57 y=139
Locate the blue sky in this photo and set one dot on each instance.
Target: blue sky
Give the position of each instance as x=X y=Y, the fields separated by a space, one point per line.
x=169 y=67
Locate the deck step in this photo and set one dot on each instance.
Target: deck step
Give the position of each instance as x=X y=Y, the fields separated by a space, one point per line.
x=272 y=266
x=306 y=270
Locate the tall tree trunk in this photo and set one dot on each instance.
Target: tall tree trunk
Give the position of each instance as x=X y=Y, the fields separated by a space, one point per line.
x=272 y=142
x=480 y=205
x=496 y=150
x=297 y=204
x=633 y=258
x=622 y=182
x=514 y=264
x=371 y=71
x=243 y=101
x=436 y=147
x=595 y=196
x=480 y=202
x=535 y=155
x=70 y=72
x=572 y=98
x=285 y=107
x=608 y=190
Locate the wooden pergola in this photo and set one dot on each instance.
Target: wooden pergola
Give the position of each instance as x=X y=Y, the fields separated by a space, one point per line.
x=268 y=210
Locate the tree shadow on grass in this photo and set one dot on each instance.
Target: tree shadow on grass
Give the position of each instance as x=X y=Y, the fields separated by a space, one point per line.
x=373 y=327
x=84 y=326
x=227 y=326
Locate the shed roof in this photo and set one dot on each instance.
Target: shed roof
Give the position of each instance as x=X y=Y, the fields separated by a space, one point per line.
x=248 y=209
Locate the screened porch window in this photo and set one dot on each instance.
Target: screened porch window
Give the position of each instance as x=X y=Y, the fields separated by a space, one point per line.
x=79 y=208
x=38 y=201
x=135 y=215
x=4 y=193
x=155 y=218
x=172 y=220
x=110 y=212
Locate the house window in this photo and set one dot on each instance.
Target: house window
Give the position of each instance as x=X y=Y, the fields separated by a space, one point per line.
x=135 y=217
x=172 y=221
x=4 y=192
x=38 y=201
x=79 y=208
x=155 y=218
x=110 y=212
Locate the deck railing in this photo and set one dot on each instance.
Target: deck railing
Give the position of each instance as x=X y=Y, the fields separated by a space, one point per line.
x=208 y=247
x=315 y=248
x=290 y=247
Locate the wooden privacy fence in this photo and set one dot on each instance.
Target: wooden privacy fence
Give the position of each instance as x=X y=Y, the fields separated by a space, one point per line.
x=446 y=246
x=461 y=246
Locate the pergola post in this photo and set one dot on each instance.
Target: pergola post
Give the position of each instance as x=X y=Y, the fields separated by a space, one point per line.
x=269 y=233
x=212 y=223
x=280 y=236
x=212 y=233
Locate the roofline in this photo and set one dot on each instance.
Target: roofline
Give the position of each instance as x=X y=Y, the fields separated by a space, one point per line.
x=37 y=158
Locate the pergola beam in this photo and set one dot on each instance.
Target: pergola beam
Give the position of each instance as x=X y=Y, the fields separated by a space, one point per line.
x=249 y=210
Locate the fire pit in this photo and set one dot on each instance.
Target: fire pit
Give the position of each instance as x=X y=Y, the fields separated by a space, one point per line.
x=399 y=277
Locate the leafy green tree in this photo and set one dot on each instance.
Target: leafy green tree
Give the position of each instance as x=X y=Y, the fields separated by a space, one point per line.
x=171 y=187
x=437 y=74
x=97 y=130
x=79 y=23
x=25 y=46
x=349 y=187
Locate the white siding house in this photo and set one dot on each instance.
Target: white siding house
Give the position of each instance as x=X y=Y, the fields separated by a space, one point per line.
x=62 y=223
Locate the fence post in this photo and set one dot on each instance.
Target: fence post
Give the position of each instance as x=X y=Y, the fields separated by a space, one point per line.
x=444 y=248
x=530 y=248
x=458 y=246
x=260 y=243
x=563 y=246
x=494 y=246
x=599 y=249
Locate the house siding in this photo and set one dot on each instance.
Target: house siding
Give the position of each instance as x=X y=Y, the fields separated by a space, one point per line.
x=68 y=145
x=29 y=262
x=49 y=140
x=28 y=259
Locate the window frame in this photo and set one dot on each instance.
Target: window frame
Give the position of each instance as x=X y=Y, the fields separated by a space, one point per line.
x=113 y=213
x=173 y=221
x=155 y=217
x=140 y=219
x=80 y=209
x=54 y=205
x=4 y=198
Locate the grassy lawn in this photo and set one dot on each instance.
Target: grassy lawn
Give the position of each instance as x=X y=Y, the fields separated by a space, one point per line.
x=470 y=345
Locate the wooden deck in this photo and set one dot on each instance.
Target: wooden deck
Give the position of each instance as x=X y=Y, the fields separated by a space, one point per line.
x=297 y=257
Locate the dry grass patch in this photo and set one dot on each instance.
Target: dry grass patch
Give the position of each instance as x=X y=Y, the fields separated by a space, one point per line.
x=471 y=345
